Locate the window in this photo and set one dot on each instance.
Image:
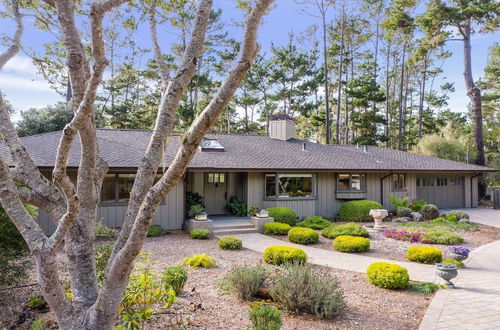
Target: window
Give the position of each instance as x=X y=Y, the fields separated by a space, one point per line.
x=455 y=182
x=284 y=185
x=125 y=184
x=351 y=182
x=398 y=182
x=216 y=177
x=108 y=190
x=116 y=188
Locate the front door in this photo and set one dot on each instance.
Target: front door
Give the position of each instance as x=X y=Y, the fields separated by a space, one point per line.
x=215 y=193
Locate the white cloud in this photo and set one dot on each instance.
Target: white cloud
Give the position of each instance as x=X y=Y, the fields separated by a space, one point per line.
x=20 y=64
x=9 y=82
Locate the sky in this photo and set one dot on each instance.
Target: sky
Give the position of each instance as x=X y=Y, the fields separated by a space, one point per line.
x=24 y=88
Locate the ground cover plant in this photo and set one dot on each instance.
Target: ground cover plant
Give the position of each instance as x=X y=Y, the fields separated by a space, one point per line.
x=349 y=229
x=314 y=222
x=424 y=235
x=424 y=288
x=200 y=233
x=443 y=225
x=357 y=210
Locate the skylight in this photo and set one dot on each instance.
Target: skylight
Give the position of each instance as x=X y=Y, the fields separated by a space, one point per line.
x=211 y=145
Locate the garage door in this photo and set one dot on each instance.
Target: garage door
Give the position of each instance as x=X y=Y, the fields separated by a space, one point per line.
x=444 y=192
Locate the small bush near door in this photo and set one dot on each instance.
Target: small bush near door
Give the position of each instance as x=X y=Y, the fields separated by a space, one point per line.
x=265 y=317
x=283 y=214
x=200 y=233
x=357 y=211
x=237 y=207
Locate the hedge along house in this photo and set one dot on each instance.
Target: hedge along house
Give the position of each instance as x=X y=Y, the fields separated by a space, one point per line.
x=267 y=171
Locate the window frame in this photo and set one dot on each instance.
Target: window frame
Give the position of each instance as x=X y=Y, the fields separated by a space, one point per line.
x=398 y=189
x=350 y=190
x=276 y=187
x=116 y=201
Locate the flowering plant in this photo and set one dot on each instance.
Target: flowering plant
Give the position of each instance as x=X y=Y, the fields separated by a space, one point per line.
x=403 y=235
x=459 y=250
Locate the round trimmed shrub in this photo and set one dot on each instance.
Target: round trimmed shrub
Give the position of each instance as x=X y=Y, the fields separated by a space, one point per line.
x=358 y=210
x=230 y=243
x=200 y=233
x=276 y=228
x=388 y=276
x=429 y=211
x=200 y=260
x=351 y=244
x=302 y=235
x=347 y=229
x=424 y=254
x=403 y=211
x=281 y=254
x=314 y=222
x=283 y=214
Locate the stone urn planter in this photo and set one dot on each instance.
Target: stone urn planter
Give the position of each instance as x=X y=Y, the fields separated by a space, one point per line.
x=447 y=272
x=459 y=253
x=378 y=215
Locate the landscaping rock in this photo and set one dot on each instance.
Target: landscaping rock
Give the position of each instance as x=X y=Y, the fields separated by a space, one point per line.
x=464 y=220
x=416 y=216
x=401 y=220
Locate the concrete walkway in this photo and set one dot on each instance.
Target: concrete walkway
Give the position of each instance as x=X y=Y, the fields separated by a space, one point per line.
x=474 y=303
x=347 y=261
x=483 y=215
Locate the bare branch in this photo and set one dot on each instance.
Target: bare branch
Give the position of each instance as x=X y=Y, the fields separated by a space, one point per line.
x=162 y=65
x=16 y=40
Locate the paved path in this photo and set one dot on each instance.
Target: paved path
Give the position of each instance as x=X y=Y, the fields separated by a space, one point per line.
x=347 y=261
x=483 y=215
x=474 y=303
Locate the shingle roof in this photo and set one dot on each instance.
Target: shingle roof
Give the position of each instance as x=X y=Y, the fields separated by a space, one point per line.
x=124 y=148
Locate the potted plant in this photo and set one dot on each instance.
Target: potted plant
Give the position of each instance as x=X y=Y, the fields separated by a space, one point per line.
x=447 y=272
x=459 y=253
x=197 y=212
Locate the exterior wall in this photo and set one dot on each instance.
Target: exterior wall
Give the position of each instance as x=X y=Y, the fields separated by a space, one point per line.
x=282 y=129
x=471 y=195
x=411 y=189
x=170 y=214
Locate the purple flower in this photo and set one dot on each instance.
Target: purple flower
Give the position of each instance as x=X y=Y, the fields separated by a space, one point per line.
x=463 y=250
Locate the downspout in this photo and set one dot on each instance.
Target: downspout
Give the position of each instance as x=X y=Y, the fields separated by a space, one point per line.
x=472 y=190
x=382 y=187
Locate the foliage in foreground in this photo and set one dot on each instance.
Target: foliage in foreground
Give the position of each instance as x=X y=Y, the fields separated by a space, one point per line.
x=264 y=317
x=302 y=235
x=424 y=288
x=300 y=289
x=243 y=281
x=347 y=229
x=102 y=255
x=388 y=276
x=200 y=260
x=357 y=211
x=281 y=254
x=351 y=244
x=175 y=277
x=314 y=222
x=424 y=254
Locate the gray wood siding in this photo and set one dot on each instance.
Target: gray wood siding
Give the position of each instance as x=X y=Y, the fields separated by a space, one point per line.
x=170 y=214
x=411 y=189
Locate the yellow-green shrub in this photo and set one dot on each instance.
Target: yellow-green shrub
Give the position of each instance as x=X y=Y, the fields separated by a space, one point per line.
x=200 y=233
x=388 y=276
x=199 y=260
x=351 y=244
x=230 y=243
x=302 y=235
x=280 y=254
x=276 y=228
x=424 y=254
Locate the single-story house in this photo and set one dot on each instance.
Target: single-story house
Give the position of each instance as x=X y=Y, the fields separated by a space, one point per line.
x=267 y=171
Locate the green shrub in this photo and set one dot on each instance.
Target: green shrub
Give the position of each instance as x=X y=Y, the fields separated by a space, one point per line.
x=39 y=323
x=237 y=207
x=281 y=254
x=37 y=302
x=200 y=233
x=424 y=288
x=154 y=231
x=102 y=255
x=347 y=229
x=357 y=210
x=424 y=254
x=283 y=214
x=244 y=281
x=302 y=235
x=230 y=243
x=200 y=260
x=429 y=211
x=314 y=222
x=175 y=277
x=276 y=228
x=416 y=205
x=457 y=263
x=403 y=211
x=193 y=198
x=253 y=210
x=265 y=317
x=458 y=214
x=398 y=202
x=441 y=236
x=351 y=244
x=299 y=289
x=388 y=276
x=444 y=225
x=194 y=210
x=101 y=230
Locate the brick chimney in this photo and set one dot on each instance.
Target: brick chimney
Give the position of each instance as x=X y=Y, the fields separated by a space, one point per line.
x=281 y=127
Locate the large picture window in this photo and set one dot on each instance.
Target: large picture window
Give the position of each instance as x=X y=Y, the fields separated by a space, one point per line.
x=116 y=188
x=287 y=185
x=351 y=182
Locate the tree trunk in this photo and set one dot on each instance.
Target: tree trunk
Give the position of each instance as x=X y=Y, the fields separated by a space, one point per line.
x=401 y=101
x=421 y=99
x=387 y=98
x=339 y=92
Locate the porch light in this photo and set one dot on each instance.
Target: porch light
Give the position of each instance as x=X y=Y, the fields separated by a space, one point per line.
x=262 y=214
x=201 y=216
